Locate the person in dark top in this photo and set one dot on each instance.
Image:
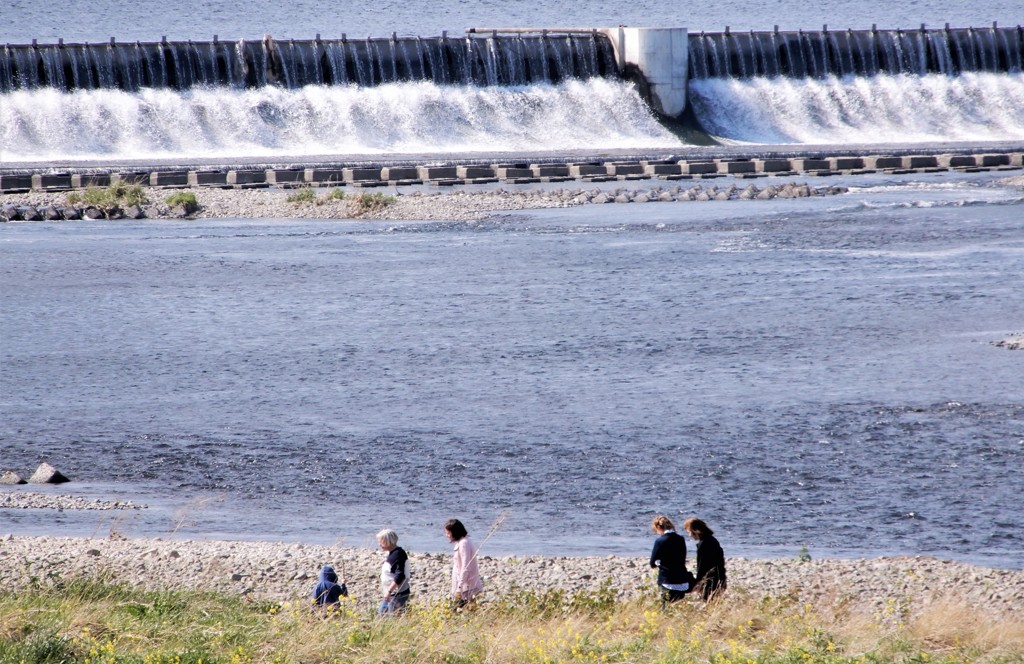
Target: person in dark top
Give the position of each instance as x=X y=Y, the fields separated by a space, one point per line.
x=710 y=559
x=328 y=591
x=669 y=556
x=394 y=574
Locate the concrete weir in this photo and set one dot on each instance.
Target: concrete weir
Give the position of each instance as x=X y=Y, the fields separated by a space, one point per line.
x=705 y=165
x=657 y=60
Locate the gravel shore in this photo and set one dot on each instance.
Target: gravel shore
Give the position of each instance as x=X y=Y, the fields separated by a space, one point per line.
x=423 y=203
x=287 y=571
x=431 y=203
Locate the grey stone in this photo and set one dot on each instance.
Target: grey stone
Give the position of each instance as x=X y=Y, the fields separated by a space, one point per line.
x=134 y=212
x=11 y=477
x=47 y=474
x=71 y=212
x=10 y=213
x=51 y=213
x=30 y=213
x=93 y=212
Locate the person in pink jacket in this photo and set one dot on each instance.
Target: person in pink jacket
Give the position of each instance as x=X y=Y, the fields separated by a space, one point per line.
x=466 y=582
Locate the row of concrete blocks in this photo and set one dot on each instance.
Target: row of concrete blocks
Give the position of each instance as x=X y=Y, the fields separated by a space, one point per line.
x=406 y=175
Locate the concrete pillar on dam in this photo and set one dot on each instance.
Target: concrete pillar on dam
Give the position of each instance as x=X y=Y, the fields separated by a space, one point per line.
x=657 y=60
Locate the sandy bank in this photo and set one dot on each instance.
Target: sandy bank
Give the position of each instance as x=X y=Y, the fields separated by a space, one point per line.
x=284 y=571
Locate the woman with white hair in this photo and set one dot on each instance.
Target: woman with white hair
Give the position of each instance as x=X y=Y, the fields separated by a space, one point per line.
x=394 y=574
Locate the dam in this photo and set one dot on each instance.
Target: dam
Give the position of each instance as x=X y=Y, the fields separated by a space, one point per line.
x=518 y=56
x=508 y=90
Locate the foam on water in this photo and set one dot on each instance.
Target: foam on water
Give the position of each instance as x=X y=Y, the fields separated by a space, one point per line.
x=879 y=109
x=268 y=121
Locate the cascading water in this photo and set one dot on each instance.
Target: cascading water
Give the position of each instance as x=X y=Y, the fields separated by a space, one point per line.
x=855 y=53
x=411 y=117
x=858 y=86
x=492 y=60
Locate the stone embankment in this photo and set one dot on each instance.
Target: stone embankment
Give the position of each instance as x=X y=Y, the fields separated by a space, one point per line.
x=288 y=571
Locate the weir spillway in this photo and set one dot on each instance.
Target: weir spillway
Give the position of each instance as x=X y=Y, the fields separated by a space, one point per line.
x=817 y=54
x=498 y=59
x=660 y=60
x=518 y=59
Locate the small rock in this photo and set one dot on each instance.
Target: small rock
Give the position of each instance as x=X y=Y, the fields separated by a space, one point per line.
x=134 y=212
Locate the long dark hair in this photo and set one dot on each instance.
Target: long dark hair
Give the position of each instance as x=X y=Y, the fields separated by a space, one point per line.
x=698 y=528
x=455 y=527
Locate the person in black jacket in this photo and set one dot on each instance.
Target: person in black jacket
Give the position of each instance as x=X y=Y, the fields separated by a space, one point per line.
x=394 y=574
x=669 y=556
x=329 y=590
x=710 y=559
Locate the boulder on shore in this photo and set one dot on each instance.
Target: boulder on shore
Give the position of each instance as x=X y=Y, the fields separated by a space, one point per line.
x=11 y=477
x=47 y=474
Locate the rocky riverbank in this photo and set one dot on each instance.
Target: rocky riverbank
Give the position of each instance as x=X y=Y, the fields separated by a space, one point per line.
x=287 y=571
x=396 y=203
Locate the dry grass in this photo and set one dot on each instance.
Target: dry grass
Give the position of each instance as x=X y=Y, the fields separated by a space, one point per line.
x=100 y=623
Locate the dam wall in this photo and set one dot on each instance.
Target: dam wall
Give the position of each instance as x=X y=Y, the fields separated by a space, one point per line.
x=817 y=54
x=660 y=61
x=476 y=59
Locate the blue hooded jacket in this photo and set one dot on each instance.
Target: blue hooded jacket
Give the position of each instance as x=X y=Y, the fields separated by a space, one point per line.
x=327 y=590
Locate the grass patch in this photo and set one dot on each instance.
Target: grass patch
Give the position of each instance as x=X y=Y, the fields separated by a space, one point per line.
x=185 y=198
x=366 y=203
x=307 y=196
x=117 y=196
x=303 y=196
x=103 y=623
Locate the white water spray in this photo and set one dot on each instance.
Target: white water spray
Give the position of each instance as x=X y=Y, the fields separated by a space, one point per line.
x=880 y=109
x=319 y=120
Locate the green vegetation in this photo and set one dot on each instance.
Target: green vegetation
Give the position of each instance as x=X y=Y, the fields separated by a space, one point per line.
x=302 y=196
x=94 y=622
x=369 y=203
x=184 y=199
x=117 y=196
x=307 y=196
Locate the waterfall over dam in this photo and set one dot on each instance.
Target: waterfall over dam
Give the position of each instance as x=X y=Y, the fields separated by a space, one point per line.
x=499 y=59
x=817 y=54
x=471 y=60
x=564 y=89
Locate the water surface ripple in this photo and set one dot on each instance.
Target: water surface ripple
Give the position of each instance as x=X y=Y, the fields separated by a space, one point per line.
x=820 y=375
